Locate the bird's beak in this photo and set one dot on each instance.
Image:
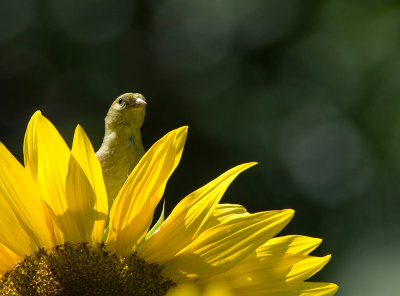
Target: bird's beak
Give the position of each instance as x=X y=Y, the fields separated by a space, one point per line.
x=139 y=103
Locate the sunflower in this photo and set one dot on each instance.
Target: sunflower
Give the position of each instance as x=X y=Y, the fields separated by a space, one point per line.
x=58 y=236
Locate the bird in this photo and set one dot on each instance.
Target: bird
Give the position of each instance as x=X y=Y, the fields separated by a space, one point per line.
x=122 y=146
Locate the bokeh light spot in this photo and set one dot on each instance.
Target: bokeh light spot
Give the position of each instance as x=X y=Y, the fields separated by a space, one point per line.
x=195 y=35
x=325 y=155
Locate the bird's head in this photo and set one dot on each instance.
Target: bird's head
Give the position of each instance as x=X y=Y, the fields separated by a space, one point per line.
x=127 y=111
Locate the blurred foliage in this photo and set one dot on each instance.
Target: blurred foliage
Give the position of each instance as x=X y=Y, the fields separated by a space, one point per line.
x=309 y=89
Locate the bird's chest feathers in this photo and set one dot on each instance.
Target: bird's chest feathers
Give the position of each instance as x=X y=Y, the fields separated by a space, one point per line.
x=125 y=141
x=124 y=149
x=131 y=141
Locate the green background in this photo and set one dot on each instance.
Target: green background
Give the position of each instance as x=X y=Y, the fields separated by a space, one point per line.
x=309 y=89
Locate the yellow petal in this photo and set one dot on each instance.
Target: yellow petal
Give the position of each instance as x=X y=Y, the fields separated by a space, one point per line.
x=217 y=289
x=296 y=289
x=269 y=271
x=46 y=158
x=220 y=247
x=186 y=289
x=30 y=146
x=187 y=219
x=294 y=244
x=226 y=210
x=85 y=192
x=132 y=211
x=307 y=267
x=7 y=259
x=159 y=222
x=223 y=212
x=23 y=227
x=210 y=289
x=317 y=289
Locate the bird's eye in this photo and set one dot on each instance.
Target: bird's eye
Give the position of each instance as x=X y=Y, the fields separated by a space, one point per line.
x=120 y=101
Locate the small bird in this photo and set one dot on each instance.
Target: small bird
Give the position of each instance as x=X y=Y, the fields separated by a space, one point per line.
x=122 y=145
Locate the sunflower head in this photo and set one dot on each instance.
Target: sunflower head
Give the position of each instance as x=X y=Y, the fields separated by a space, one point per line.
x=54 y=240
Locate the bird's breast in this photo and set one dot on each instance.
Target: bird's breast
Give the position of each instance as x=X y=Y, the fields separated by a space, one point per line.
x=132 y=141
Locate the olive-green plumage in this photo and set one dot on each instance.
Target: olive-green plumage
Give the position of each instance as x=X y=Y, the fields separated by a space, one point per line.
x=122 y=145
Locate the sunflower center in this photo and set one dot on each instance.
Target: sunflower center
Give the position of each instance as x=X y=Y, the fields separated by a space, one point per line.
x=83 y=269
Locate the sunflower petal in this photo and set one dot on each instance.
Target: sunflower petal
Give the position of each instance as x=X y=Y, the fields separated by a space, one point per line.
x=294 y=244
x=30 y=146
x=269 y=271
x=221 y=247
x=7 y=259
x=187 y=219
x=306 y=267
x=132 y=211
x=159 y=222
x=224 y=212
x=184 y=290
x=23 y=228
x=85 y=191
x=46 y=158
x=296 y=289
x=11 y=234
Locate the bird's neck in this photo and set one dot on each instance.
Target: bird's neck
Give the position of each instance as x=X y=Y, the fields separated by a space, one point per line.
x=125 y=134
